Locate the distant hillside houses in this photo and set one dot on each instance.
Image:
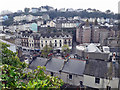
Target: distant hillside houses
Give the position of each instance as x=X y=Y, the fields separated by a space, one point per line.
x=26 y=17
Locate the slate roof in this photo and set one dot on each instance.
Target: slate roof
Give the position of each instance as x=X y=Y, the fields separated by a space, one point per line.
x=74 y=66
x=35 y=35
x=54 y=65
x=57 y=34
x=114 y=49
x=51 y=34
x=25 y=34
x=38 y=62
x=99 y=69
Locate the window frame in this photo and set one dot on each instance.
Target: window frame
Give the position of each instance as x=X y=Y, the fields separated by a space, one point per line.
x=97 y=80
x=70 y=76
x=52 y=74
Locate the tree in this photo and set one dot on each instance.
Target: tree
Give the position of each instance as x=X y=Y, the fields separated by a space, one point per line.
x=26 y=10
x=65 y=49
x=46 y=50
x=16 y=76
x=9 y=57
x=8 y=22
x=107 y=11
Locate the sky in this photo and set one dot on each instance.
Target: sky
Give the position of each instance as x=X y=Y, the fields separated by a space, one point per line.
x=102 y=5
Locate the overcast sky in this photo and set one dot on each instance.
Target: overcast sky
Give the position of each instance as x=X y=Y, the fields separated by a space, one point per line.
x=103 y=5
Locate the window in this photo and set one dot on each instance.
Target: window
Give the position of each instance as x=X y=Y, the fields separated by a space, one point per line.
x=69 y=42
x=108 y=88
x=41 y=41
x=51 y=73
x=42 y=45
x=81 y=83
x=70 y=76
x=55 y=44
x=45 y=42
x=60 y=44
x=97 y=80
x=50 y=44
x=65 y=42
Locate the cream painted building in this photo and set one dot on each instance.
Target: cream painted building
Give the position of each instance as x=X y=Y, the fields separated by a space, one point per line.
x=56 y=41
x=51 y=24
x=22 y=27
x=19 y=18
x=89 y=81
x=101 y=74
x=38 y=41
x=34 y=41
x=31 y=42
x=68 y=25
x=40 y=22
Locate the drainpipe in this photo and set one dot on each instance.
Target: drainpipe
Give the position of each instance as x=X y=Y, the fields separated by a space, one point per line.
x=119 y=52
x=119 y=73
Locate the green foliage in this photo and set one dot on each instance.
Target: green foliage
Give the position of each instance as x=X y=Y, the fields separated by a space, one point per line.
x=41 y=80
x=15 y=74
x=10 y=76
x=65 y=49
x=9 y=57
x=8 y=22
x=46 y=50
x=13 y=77
x=83 y=14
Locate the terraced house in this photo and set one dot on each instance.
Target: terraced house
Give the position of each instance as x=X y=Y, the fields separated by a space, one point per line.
x=36 y=41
